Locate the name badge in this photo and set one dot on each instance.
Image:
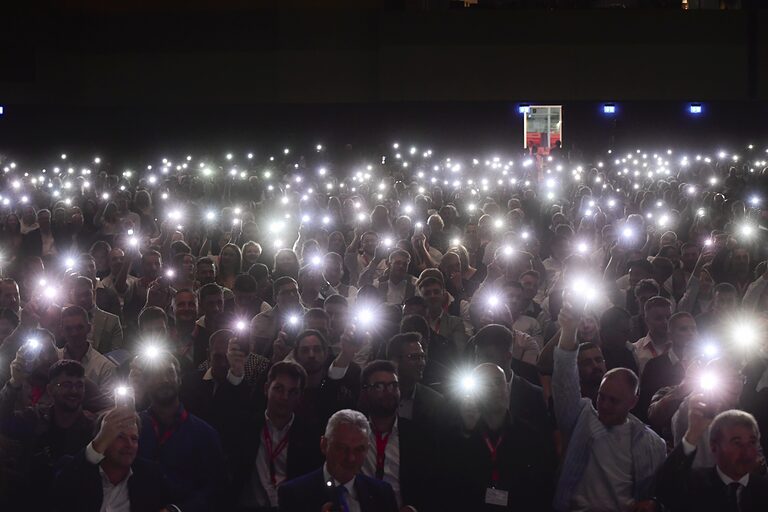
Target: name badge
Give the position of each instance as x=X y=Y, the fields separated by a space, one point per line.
x=496 y=497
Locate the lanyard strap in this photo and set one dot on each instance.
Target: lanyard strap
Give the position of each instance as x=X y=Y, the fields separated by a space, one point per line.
x=381 y=453
x=166 y=435
x=273 y=454
x=493 y=449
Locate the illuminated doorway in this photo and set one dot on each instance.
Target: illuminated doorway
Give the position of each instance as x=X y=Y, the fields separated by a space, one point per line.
x=543 y=127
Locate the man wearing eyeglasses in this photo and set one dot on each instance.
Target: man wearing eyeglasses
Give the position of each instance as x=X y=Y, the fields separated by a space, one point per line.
x=45 y=431
x=401 y=453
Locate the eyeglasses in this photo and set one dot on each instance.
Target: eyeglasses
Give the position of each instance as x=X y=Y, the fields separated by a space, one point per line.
x=381 y=386
x=417 y=356
x=69 y=386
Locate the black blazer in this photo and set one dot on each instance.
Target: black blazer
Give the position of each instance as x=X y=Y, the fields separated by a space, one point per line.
x=78 y=487
x=419 y=478
x=658 y=373
x=428 y=407
x=526 y=402
x=683 y=489
x=309 y=493
x=304 y=453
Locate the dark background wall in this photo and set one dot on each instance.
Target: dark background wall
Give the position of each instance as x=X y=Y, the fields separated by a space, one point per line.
x=139 y=78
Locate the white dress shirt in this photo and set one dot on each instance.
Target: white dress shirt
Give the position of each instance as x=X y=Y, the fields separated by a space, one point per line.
x=261 y=492
x=115 y=496
x=98 y=368
x=391 y=460
x=352 y=500
x=646 y=349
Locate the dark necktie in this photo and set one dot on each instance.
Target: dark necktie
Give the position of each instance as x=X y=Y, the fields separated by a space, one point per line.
x=341 y=496
x=732 y=491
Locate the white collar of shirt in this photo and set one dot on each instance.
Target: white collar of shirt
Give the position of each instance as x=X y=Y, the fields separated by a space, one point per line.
x=648 y=340
x=728 y=480
x=349 y=485
x=282 y=430
x=85 y=359
x=673 y=357
x=106 y=481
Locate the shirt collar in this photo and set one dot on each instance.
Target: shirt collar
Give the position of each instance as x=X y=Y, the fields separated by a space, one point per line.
x=349 y=485
x=728 y=480
x=285 y=428
x=107 y=483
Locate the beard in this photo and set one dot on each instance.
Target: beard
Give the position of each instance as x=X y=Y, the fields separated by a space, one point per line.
x=384 y=407
x=164 y=394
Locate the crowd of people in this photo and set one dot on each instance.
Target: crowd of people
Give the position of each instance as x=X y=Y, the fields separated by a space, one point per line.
x=405 y=333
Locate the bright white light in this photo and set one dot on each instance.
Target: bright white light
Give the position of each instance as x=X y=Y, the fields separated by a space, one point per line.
x=151 y=351
x=710 y=350
x=582 y=247
x=493 y=301
x=708 y=381
x=498 y=223
x=455 y=242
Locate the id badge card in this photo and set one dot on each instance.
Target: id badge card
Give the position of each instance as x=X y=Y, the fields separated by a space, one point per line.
x=497 y=497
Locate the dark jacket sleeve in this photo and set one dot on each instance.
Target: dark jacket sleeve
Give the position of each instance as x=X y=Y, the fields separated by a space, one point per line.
x=77 y=487
x=673 y=478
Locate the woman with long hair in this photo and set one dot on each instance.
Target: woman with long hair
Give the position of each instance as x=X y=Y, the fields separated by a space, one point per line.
x=286 y=264
x=230 y=263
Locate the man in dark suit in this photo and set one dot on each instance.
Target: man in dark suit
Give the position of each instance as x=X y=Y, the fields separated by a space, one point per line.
x=733 y=485
x=404 y=454
x=339 y=485
x=275 y=445
x=107 y=470
x=493 y=344
x=498 y=462
x=667 y=369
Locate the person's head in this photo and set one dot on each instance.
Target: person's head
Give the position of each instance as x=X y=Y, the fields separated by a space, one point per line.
x=656 y=314
x=66 y=384
x=211 y=300
x=311 y=351
x=285 y=384
x=493 y=393
x=639 y=270
x=591 y=365
x=75 y=325
x=369 y=241
x=380 y=395
x=398 y=265
x=617 y=396
x=251 y=254
x=9 y=320
x=184 y=263
x=345 y=444
x=206 y=271
x=286 y=264
x=317 y=319
x=450 y=264
x=150 y=264
x=513 y=296
x=530 y=281
x=493 y=344
x=122 y=451
x=740 y=259
x=644 y=290
x=682 y=331
x=184 y=305
x=218 y=345
x=615 y=327
x=160 y=377
x=662 y=269
x=153 y=323
x=433 y=292
x=86 y=266
x=689 y=256
x=9 y=295
x=337 y=309
x=415 y=305
x=734 y=438
x=726 y=298
x=333 y=268
x=407 y=353
x=230 y=260
x=246 y=295
x=286 y=291
x=81 y=293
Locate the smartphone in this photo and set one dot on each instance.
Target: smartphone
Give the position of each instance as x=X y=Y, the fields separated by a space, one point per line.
x=31 y=352
x=125 y=397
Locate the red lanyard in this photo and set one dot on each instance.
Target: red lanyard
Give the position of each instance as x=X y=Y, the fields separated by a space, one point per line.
x=436 y=326
x=493 y=449
x=272 y=455
x=165 y=436
x=381 y=451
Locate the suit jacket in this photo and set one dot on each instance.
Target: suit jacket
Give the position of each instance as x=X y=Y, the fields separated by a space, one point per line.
x=659 y=372
x=756 y=402
x=78 y=487
x=106 y=332
x=682 y=489
x=304 y=454
x=526 y=402
x=419 y=479
x=428 y=407
x=309 y=492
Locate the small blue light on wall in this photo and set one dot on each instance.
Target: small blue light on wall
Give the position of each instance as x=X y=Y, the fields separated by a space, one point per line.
x=524 y=109
x=695 y=108
x=609 y=108
x=2 y=110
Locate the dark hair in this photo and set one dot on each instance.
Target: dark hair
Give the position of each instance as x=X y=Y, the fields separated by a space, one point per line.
x=430 y=281
x=81 y=282
x=210 y=289
x=74 y=311
x=336 y=299
x=646 y=285
x=151 y=252
x=494 y=336
x=178 y=258
x=588 y=345
x=396 y=344
x=306 y=333
x=258 y=271
x=289 y=368
x=205 y=261
x=380 y=365
x=416 y=300
x=67 y=367
x=415 y=323
x=641 y=264
x=10 y=315
x=534 y=273
x=282 y=281
x=245 y=283
x=151 y=313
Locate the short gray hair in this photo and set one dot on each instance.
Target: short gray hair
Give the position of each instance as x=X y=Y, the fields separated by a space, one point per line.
x=731 y=418
x=347 y=417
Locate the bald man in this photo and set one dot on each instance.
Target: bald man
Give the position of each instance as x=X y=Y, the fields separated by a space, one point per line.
x=612 y=456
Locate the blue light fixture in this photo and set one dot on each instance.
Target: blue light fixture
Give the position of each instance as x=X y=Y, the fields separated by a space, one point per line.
x=695 y=108
x=523 y=109
x=609 y=108
x=2 y=110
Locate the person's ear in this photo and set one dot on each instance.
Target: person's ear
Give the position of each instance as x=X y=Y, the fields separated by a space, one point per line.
x=324 y=445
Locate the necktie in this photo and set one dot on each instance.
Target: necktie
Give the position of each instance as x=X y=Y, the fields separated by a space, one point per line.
x=341 y=496
x=732 y=492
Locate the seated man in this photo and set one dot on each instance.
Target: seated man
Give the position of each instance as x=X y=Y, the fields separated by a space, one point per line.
x=339 y=485
x=106 y=333
x=75 y=327
x=45 y=432
x=107 y=474
x=733 y=484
